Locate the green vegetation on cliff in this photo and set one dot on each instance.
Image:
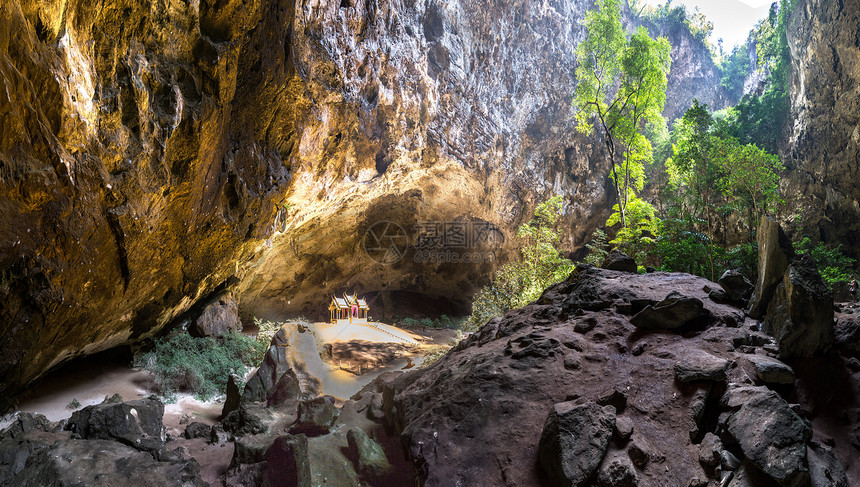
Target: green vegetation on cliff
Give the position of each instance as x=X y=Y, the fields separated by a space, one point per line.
x=519 y=283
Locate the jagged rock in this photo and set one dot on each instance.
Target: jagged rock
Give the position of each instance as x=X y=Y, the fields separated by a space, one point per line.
x=24 y=423
x=24 y=436
x=769 y=433
x=250 y=449
x=287 y=463
x=701 y=366
x=233 y=396
x=825 y=469
x=614 y=398
x=616 y=470
x=197 y=430
x=771 y=370
x=800 y=315
x=737 y=287
x=585 y=325
x=671 y=313
x=249 y=419
x=218 y=435
x=775 y=253
x=287 y=388
x=623 y=428
x=574 y=440
x=245 y=474
x=619 y=261
x=368 y=456
x=697 y=407
x=217 y=318
x=639 y=452
x=103 y=462
x=847 y=333
x=709 y=450
x=275 y=364
x=315 y=416
x=134 y=423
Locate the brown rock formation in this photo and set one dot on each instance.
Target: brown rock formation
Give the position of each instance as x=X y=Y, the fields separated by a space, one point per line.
x=821 y=185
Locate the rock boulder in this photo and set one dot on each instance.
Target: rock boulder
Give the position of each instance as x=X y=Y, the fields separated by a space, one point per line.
x=769 y=433
x=574 y=440
x=800 y=315
x=775 y=253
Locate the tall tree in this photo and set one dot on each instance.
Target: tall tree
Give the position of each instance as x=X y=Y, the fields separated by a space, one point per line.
x=621 y=87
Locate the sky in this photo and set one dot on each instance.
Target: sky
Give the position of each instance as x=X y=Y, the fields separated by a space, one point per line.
x=732 y=19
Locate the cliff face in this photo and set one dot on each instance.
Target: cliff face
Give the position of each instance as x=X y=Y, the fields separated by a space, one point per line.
x=139 y=159
x=824 y=159
x=154 y=154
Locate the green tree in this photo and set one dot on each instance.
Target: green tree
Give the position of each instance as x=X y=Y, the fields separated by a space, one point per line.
x=621 y=87
x=715 y=176
x=519 y=283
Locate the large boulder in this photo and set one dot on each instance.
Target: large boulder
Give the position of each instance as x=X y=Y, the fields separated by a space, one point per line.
x=847 y=333
x=103 y=462
x=315 y=416
x=134 y=423
x=737 y=287
x=275 y=364
x=775 y=253
x=800 y=315
x=574 y=441
x=248 y=419
x=287 y=463
x=824 y=467
x=217 y=318
x=770 y=434
x=771 y=370
x=617 y=471
x=619 y=261
x=671 y=313
x=233 y=396
x=701 y=365
x=368 y=456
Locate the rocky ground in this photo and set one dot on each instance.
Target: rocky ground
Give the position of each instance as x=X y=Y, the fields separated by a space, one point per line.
x=611 y=378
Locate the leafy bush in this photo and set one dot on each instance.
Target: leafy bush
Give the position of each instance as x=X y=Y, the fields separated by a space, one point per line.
x=598 y=248
x=519 y=283
x=181 y=362
x=409 y=322
x=835 y=267
x=74 y=404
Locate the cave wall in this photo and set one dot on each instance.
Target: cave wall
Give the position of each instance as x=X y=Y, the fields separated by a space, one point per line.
x=141 y=155
x=822 y=183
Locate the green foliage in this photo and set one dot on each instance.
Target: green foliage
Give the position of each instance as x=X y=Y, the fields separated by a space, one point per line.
x=762 y=120
x=598 y=248
x=621 y=86
x=835 y=267
x=412 y=322
x=734 y=69
x=181 y=362
x=74 y=404
x=637 y=238
x=713 y=179
x=519 y=283
x=695 y=22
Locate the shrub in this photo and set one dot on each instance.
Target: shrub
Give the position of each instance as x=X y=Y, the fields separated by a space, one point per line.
x=74 y=404
x=201 y=366
x=835 y=267
x=519 y=283
x=410 y=322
